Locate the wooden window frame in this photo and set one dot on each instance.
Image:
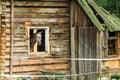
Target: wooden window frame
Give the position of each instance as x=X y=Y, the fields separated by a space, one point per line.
x=117 y=43
x=47 y=48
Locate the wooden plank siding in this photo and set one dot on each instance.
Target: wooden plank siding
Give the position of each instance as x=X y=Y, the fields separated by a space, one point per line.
x=87 y=50
x=85 y=44
x=39 y=4
x=51 y=13
x=39 y=61
x=42 y=64
x=30 y=68
x=82 y=19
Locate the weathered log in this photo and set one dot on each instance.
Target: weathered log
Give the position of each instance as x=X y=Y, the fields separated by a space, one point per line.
x=38 y=62
x=3 y=46
x=39 y=4
x=3 y=41
x=41 y=10
x=40 y=15
x=2 y=54
x=3 y=38
x=3 y=34
x=38 y=68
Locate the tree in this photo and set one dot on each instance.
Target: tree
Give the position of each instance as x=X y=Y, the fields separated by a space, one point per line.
x=113 y=6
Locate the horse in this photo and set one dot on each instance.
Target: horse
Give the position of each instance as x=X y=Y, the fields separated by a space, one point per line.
x=36 y=37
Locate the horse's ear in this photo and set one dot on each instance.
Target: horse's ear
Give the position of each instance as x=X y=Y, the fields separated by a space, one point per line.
x=41 y=31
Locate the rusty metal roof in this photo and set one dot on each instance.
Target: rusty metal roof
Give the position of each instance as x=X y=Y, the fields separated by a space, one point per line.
x=111 y=22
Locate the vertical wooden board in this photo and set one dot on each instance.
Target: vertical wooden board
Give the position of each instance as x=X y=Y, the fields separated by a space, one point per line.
x=27 y=34
x=91 y=53
x=83 y=47
x=105 y=42
x=11 y=24
x=87 y=49
x=80 y=14
x=98 y=49
x=73 y=62
x=94 y=52
x=117 y=44
x=83 y=19
x=81 y=63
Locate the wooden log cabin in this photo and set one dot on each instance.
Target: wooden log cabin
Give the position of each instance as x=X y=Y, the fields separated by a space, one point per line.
x=71 y=37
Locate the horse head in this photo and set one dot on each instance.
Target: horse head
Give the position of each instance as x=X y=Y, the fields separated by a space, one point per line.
x=39 y=37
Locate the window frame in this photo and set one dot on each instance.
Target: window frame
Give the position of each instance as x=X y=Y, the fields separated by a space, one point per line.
x=47 y=45
x=117 y=43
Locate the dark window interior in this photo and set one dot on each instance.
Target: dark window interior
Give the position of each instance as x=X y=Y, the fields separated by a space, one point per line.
x=111 y=47
x=112 y=34
x=115 y=78
x=112 y=43
x=40 y=48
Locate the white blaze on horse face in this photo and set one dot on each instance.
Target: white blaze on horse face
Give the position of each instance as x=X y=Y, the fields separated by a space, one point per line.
x=39 y=37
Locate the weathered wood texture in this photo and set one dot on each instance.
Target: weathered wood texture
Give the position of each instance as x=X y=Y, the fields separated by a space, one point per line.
x=51 y=13
x=12 y=36
x=39 y=4
x=85 y=43
x=82 y=19
x=2 y=38
x=87 y=50
x=36 y=65
x=73 y=26
x=39 y=61
x=114 y=64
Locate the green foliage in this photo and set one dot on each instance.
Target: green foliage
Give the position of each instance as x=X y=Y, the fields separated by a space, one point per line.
x=102 y=2
x=2 y=78
x=113 y=6
x=18 y=78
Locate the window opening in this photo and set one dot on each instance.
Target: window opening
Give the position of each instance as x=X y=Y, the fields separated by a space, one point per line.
x=115 y=78
x=113 y=44
x=38 y=39
x=112 y=34
x=111 y=47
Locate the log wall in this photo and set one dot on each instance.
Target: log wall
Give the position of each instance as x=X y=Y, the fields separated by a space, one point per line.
x=54 y=14
x=2 y=38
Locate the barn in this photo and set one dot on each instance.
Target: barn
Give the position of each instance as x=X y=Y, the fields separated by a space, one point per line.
x=72 y=39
